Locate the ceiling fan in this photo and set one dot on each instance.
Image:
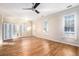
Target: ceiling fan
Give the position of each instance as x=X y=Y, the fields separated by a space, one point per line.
x=35 y=5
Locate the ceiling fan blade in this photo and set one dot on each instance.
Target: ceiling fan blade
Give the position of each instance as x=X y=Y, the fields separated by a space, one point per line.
x=35 y=5
x=27 y=8
x=37 y=11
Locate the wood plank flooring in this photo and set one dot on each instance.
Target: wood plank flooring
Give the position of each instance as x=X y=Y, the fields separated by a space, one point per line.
x=33 y=46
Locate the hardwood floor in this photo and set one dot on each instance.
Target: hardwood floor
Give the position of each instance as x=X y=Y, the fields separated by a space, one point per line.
x=33 y=46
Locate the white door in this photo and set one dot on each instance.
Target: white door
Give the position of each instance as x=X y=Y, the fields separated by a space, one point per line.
x=8 y=31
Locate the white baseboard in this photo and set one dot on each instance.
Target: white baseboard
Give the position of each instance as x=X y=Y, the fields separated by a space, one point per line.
x=1 y=41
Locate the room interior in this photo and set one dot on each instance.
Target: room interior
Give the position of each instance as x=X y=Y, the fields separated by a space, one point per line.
x=39 y=29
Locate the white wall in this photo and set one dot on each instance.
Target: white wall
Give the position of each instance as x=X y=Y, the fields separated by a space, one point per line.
x=0 y=29
x=55 y=26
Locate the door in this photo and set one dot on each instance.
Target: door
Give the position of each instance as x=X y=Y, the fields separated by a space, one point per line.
x=23 y=29
x=8 y=31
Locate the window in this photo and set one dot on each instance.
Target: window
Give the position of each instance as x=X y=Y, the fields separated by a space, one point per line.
x=69 y=24
x=8 y=31
x=23 y=29
x=45 y=29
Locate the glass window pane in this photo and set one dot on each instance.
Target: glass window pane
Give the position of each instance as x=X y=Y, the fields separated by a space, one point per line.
x=69 y=23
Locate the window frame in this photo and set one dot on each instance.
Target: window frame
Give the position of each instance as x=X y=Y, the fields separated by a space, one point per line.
x=75 y=22
x=45 y=31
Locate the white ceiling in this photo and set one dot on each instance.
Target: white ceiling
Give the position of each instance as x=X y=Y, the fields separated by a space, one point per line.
x=15 y=9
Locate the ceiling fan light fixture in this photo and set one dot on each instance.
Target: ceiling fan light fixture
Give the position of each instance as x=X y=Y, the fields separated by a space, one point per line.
x=69 y=6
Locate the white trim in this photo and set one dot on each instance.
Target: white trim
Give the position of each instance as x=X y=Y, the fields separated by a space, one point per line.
x=75 y=17
x=45 y=32
x=71 y=34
